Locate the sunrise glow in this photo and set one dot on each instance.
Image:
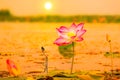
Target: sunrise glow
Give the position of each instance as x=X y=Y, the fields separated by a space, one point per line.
x=48 y=5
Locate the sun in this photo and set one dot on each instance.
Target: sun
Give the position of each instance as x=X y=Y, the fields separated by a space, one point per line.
x=48 y=5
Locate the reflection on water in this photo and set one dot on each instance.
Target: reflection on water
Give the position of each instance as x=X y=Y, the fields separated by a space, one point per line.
x=17 y=37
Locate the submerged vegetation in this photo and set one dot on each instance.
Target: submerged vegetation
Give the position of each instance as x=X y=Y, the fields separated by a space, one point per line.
x=6 y=15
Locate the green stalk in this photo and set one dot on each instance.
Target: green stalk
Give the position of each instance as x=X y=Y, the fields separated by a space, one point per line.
x=111 y=58
x=72 y=63
x=46 y=60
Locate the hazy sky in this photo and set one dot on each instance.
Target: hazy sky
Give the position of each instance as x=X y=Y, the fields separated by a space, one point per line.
x=64 y=7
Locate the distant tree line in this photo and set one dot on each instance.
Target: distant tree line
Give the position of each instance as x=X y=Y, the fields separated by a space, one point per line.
x=5 y=15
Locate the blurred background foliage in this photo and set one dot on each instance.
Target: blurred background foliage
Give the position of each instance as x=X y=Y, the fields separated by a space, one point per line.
x=5 y=15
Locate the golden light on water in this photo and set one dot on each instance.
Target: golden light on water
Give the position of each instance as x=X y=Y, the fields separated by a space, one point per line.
x=48 y=5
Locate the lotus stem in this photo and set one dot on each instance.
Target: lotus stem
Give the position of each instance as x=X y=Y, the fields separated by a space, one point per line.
x=111 y=58
x=110 y=50
x=46 y=60
x=72 y=63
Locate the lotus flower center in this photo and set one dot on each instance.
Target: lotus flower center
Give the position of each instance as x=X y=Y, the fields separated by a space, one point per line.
x=70 y=34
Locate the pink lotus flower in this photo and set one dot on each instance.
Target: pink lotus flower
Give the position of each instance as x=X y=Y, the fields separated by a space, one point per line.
x=69 y=35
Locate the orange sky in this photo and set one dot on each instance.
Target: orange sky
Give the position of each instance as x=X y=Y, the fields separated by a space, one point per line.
x=62 y=7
